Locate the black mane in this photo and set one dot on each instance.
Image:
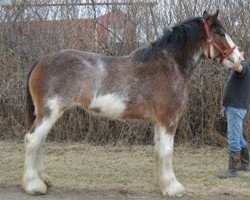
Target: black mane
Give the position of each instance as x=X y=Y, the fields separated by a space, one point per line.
x=181 y=38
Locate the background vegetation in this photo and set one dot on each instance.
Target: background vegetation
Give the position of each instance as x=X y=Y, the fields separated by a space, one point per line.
x=202 y=122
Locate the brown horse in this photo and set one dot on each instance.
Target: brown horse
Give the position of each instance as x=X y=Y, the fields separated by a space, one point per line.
x=149 y=84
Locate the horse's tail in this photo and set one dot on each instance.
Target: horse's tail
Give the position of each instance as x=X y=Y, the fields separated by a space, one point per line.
x=30 y=108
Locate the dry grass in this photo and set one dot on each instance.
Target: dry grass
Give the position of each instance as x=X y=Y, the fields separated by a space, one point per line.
x=130 y=168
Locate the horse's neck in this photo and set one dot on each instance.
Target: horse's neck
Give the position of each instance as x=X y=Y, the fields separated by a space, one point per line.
x=188 y=65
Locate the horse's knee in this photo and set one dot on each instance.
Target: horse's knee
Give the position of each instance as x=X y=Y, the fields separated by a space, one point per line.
x=32 y=141
x=163 y=144
x=163 y=153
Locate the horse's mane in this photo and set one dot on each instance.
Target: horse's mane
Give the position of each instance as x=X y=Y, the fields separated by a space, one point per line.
x=182 y=37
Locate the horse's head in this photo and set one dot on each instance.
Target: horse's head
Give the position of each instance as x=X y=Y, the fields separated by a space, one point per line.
x=219 y=47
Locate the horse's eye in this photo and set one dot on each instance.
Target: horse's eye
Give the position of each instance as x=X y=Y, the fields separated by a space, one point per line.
x=222 y=34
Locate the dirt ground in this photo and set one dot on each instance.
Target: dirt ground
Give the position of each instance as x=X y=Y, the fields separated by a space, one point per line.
x=83 y=171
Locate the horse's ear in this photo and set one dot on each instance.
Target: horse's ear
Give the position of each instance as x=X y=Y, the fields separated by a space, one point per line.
x=205 y=15
x=210 y=18
x=215 y=15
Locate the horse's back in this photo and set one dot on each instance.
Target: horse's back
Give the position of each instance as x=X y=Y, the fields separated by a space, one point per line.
x=65 y=75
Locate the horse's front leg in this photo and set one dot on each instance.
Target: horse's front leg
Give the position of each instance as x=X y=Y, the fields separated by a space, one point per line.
x=164 y=142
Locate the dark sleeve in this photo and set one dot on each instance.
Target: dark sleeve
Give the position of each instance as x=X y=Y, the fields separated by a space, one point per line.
x=245 y=66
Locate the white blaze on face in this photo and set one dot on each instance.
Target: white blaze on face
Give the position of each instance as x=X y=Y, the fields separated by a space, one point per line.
x=111 y=105
x=235 y=56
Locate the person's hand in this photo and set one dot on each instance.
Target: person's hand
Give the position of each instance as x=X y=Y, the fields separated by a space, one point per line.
x=242 y=53
x=238 y=68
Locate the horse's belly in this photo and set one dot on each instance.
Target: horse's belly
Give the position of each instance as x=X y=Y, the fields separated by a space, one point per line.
x=109 y=105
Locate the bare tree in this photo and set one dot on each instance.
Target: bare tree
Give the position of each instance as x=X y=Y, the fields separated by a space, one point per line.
x=33 y=28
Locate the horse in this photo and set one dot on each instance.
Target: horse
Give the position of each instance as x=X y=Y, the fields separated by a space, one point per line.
x=149 y=84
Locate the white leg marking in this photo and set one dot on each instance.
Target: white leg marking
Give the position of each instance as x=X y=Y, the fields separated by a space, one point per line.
x=110 y=105
x=54 y=106
x=165 y=174
x=33 y=182
x=40 y=167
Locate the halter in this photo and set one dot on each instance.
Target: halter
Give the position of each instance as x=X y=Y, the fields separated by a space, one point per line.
x=223 y=52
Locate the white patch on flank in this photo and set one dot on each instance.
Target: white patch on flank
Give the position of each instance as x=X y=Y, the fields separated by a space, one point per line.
x=164 y=143
x=110 y=105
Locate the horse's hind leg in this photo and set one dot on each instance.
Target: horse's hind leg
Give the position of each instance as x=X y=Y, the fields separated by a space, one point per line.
x=33 y=182
x=40 y=167
x=164 y=142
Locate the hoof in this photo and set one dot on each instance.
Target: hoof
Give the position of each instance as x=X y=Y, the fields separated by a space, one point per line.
x=35 y=187
x=174 y=190
x=46 y=180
